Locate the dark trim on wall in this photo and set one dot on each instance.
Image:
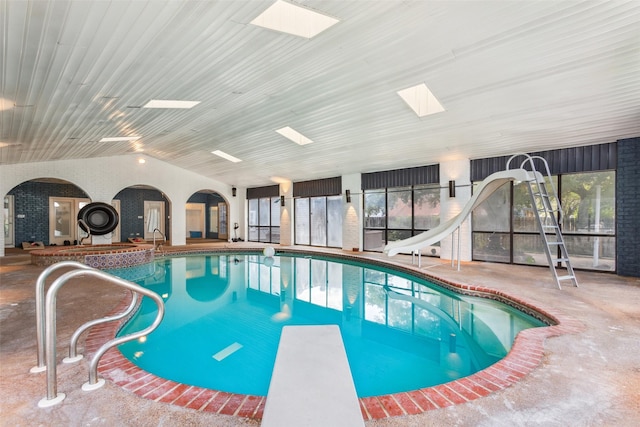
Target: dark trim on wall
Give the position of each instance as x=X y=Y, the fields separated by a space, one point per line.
x=401 y=177
x=589 y=158
x=318 y=187
x=261 y=192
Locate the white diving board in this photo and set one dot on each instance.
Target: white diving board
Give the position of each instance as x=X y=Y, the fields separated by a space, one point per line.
x=311 y=384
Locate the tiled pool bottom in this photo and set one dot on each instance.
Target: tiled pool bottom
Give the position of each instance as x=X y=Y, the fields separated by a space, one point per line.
x=525 y=355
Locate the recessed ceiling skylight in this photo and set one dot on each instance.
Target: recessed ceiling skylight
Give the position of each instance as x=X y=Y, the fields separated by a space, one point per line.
x=291 y=19
x=421 y=100
x=120 y=138
x=294 y=136
x=226 y=156
x=166 y=103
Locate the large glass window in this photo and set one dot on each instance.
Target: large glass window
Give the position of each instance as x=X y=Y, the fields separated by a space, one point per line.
x=318 y=221
x=505 y=228
x=264 y=220
x=398 y=213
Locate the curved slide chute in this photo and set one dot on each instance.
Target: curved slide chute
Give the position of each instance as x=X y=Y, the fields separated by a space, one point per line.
x=484 y=190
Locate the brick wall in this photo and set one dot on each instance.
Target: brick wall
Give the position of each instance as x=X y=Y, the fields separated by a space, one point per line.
x=132 y=211
x=628 y=207
x=32 y=200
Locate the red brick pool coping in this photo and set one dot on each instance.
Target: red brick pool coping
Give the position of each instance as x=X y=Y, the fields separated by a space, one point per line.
x=525 y=355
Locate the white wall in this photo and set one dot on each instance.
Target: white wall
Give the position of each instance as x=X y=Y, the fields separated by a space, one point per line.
x=102 y=178
x=352 y=219
x=460 y=172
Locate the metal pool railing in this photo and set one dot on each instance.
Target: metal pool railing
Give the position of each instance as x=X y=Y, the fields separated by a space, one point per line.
x=46 y=326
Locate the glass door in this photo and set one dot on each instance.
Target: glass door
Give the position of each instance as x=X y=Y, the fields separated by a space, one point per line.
x=153 y=218
x=63 y=224
x=223 y=227
x=9 y=231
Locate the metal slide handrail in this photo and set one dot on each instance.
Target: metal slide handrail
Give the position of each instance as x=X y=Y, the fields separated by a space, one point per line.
x=529 y=159
x=53 y=397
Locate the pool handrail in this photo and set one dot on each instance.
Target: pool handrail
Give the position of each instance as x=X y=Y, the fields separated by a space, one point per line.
x=164 y=239
x=53 y=397
x=73 y=344
x=40 y=309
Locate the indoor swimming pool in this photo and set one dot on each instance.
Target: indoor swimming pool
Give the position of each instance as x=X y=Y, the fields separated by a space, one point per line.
x=225 y=313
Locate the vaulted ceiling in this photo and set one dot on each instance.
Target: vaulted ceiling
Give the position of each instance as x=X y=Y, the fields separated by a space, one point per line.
x=512 y=76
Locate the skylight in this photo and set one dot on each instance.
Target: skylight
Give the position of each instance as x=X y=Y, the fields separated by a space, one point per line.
x=292 y=19
x=294 y=136
x=421 y=100
x=120 y=138
x=226 y=156
x=166 y=103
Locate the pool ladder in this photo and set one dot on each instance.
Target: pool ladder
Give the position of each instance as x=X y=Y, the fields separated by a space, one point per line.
x=160 y=246
x=46 y=326
x=549 y=218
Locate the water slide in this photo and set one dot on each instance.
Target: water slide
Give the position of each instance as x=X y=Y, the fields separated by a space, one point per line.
x=484 y=190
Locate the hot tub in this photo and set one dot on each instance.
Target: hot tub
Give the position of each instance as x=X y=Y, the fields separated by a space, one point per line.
x=96 y=256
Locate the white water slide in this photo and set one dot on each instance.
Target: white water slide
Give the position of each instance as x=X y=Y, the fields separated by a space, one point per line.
x=484 y=190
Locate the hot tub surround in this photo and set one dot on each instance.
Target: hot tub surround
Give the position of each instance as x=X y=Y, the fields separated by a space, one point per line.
x=96 y=256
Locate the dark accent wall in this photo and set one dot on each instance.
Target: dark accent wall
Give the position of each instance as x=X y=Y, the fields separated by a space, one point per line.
x=318 y=187
x=628 y=207
x=401 y=177
x=132 y=211
x=588 y=158
x=31 y=199
x=260 y=192
x=209 y=200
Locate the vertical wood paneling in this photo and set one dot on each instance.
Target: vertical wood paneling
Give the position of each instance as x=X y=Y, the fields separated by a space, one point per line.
x=589 y=158
x=318 y=187
x=401 y=177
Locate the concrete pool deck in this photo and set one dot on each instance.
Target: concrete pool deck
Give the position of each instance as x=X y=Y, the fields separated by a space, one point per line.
x=590 y=377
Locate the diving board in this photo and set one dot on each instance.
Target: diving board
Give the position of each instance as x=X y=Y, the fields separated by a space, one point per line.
x=311 y=383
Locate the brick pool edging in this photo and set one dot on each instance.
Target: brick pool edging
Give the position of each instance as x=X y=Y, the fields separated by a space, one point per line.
x=525 y=355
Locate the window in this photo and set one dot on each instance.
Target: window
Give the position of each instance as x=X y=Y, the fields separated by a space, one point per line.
x=318 y=221
x=398 y=213
x=505 y=227
x=264 y=220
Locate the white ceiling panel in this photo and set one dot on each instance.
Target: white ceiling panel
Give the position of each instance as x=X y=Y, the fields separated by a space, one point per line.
x=511 y=76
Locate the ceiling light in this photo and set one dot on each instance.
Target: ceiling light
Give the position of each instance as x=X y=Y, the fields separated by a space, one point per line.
x=165 y=103
x=292 y=19
x=226 y=156
x=120 y=138
x=421 y=100
x=294 y=136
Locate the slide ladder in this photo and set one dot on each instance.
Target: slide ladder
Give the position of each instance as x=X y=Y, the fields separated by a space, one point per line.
x=548 y=212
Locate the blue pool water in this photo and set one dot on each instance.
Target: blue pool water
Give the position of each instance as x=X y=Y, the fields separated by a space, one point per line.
x=225 y=312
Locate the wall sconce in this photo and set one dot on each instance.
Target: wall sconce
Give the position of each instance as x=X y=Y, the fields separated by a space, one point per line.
x=452 y=189
x=452 y=343
x=348 y=194
x=281 y=200
x=233 y=191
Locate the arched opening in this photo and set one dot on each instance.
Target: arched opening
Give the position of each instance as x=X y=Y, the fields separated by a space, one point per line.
x=44 y=211
x=207 y=217
x=144 y=212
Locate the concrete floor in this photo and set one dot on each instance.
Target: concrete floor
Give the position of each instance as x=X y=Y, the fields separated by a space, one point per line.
x=591 y=378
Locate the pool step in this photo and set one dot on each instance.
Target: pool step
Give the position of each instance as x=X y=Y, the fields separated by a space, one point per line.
x=311 y=383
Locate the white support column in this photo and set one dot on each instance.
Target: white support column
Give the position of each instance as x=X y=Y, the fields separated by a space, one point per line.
x=286 y=214
x=352 y=213
x=460 y=172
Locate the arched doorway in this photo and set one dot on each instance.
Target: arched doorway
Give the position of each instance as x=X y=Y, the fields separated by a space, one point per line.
x=45 y=210
x=206 y=216
x=144 y=212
